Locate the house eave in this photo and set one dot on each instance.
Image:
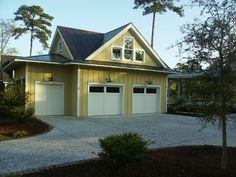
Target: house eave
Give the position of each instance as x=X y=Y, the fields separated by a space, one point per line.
x=86 y=64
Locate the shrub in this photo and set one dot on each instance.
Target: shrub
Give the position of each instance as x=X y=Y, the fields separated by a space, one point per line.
x=22 y=114
x=123 y=149
x=13 y=96
x=20 y=133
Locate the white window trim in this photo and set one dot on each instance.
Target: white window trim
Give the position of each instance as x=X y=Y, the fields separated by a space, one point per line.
x=141 y=50
x=117 y=46
x=131 y=37
x=58 y=49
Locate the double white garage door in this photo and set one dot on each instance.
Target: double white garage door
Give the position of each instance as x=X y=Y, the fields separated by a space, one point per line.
x=105 y=100
x=109 y=100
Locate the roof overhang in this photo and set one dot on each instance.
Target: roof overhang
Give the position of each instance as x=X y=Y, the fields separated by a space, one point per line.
x=15 y=62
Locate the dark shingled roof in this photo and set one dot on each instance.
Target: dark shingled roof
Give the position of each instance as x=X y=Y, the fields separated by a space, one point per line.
x=48 y=58
x=45 y=58
x=83 y=43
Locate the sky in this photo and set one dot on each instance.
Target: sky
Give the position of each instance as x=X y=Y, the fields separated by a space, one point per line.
x=103 y=16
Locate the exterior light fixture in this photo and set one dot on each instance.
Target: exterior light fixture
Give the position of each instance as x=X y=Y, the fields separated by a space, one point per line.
x=149 y=82
x=108 y=79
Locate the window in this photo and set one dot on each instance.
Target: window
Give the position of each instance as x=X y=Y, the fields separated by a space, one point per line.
x=138 y=90
x=117 y=53
x=59 y=47
x=113 y=90
x=96 y=89
x=151 y=90
x=128 y=48
x=139 y=55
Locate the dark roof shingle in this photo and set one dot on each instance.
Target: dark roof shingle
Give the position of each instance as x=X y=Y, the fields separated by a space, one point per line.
x=83 y=43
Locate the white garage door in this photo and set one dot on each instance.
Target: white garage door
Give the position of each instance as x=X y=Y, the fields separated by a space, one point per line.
x=105 y=100
x=49 y=98
x=145 y=100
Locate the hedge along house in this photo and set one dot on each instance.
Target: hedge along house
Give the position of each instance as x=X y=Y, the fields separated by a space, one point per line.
x=88 y=73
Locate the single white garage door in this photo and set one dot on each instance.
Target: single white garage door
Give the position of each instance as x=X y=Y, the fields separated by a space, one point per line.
x=145 y=100
x=49 y=98
x=105 y=100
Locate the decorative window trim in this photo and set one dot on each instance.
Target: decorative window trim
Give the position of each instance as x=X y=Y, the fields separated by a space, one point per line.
x=133 y=49
x=139 y=50
x=59 y=47
x=116 y=46
x=122 y=48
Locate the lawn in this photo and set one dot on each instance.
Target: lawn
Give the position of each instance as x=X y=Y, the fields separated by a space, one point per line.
x=11 y=129
x=192 y=161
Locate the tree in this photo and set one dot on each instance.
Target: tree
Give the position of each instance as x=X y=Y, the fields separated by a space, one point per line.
x=36 y=22
x=6 y=30
x=189 y=66
x=212 y=41
x=157 y=6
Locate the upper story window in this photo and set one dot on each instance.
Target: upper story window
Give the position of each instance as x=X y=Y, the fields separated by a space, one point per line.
x=127 y=51
x=128 y=48
x=117 y=53
x=139 y=55
x=59 y=47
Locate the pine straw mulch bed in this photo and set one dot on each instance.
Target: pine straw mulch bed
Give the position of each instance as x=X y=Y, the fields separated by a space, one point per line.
x=187 y=161
x=33 y=127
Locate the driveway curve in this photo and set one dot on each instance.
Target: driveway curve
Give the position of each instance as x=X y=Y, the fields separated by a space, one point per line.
x=74 y=139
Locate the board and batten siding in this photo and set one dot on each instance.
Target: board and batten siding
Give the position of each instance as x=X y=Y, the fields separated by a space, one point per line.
x=119 y=76
x=42 y=72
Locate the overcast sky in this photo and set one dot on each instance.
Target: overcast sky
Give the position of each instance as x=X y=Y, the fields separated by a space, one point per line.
x=103 y=16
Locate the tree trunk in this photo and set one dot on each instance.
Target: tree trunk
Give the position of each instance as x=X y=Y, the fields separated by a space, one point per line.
x=153 y=27
x=31 y=42
x=224 y=143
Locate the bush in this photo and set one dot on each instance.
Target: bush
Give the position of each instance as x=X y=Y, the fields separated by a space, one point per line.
x=13 y=96
x=22 y=114
x=123 y=149
x=20 y=133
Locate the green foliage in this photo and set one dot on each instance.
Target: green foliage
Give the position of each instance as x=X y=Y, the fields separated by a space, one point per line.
x=13 y=96
x=36 y=22
x=212 y=42
x=158 y=6
x=123 y=149
x=20 y=133
x=13 y=103
x=189 y=66
x=22 y=114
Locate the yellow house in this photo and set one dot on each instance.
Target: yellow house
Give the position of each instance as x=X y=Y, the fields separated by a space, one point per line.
x=88 y=73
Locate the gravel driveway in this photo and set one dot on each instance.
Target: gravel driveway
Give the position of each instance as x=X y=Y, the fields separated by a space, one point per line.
x=75 y=139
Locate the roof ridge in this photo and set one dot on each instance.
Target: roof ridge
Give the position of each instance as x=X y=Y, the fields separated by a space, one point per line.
x=81 y=30
x=119 y=27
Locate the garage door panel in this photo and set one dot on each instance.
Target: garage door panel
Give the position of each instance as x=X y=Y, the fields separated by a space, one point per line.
x=138 y=103
x=95 y=104
x=151 y=106
x=49 y=99
x=112 y=103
